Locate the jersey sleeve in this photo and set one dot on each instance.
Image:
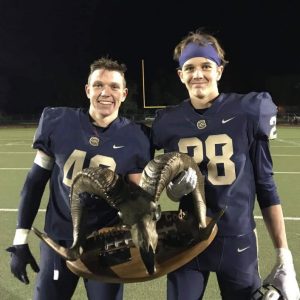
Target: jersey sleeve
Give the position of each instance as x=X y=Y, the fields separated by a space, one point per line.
x=266 y=190
x=47 y=125
x=262 y=112
x=267 y=117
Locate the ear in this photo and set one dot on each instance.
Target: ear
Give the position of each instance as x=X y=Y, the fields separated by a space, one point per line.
x=220 y=72
x=180 y=74
x=87 y=90
x=125 y=93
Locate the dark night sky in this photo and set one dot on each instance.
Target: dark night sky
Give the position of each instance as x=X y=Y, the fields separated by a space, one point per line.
x=46 y=47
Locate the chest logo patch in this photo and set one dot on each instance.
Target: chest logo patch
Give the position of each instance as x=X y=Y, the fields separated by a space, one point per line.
x=201 y=124
x=94 y=141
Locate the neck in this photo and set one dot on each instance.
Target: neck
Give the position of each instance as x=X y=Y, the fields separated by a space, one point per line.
x=102 y=121
x=205 y=102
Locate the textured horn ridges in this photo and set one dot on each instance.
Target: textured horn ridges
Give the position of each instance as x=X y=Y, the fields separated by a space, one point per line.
x=160 y=171
x=102 y=182
x=99 y=181
x=164 y=168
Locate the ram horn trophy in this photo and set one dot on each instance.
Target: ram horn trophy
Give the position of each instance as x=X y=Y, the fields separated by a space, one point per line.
x=148 y=244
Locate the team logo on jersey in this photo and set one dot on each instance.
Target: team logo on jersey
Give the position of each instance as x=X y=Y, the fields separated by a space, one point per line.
x=94 y=141
x=201 y=124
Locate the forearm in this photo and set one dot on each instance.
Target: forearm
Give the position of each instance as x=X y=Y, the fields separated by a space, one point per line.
x=273 y=218
x=31 y=196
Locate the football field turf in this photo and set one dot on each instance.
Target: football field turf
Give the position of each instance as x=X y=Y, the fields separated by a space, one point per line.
x=16 y=159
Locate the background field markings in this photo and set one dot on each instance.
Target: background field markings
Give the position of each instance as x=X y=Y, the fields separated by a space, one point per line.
x=44 y=210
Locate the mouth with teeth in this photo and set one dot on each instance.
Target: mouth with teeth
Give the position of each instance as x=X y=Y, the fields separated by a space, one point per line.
x=101 y=104
x=104 y=101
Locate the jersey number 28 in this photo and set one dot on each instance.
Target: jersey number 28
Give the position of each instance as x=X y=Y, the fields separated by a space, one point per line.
x=217 y=161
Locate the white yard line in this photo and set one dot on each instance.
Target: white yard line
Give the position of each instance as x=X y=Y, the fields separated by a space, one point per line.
x=287 y=173
x=16 y=144
x=297 y=144
x=285 y=218
x=13 y=169
x=5 y=152
x=15 y=210
x=284 y=155
x=44 y=210
x=282 y=146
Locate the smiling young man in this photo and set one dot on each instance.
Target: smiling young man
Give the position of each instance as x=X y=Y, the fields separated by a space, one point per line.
x=68 y=140
x=106 y=91
x=228 y=136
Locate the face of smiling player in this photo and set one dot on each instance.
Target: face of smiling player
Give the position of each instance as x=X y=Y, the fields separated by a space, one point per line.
x=106 y=91
x=200 y=76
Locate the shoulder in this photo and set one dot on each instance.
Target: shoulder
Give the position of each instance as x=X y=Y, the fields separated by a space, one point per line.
x=138 y=135
x=171 y=111
x=253 y=105
x=56 y=113
x=173 y=108
x=56 y=117
x=261 y=112
x=135 y=128
x=256 y=104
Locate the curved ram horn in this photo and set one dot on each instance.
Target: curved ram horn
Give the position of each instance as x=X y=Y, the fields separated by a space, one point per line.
x=138 y=205
x=99 y=181
x=163 y=169
x=102 y=182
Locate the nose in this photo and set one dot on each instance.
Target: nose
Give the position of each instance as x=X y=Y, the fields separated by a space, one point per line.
x=197 y=73
x=104 y=91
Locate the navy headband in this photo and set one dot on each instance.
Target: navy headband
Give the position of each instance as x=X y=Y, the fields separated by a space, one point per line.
x=196 y=50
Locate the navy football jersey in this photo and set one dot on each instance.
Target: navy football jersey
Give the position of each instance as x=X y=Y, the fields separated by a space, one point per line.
x=67 y=135
x=229 y=142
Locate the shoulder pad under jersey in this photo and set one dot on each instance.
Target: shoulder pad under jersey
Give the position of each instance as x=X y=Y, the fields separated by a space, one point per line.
x=166 y=110
x=48 y=123
x=262 y=111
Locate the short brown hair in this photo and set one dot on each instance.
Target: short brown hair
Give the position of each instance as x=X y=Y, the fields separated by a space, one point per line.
x=108 y=64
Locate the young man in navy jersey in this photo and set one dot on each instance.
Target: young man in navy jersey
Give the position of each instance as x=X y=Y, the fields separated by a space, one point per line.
x=68 y=140
x=228 y=136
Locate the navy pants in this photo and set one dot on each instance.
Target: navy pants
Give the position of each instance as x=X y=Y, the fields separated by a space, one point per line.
x=233 y=259
x=47 y=288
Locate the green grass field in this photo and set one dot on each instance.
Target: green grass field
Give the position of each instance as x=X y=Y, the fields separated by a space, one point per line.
x=16 y=159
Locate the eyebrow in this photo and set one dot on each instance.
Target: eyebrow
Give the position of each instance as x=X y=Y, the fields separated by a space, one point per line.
x=201 y=64
x=188 y=65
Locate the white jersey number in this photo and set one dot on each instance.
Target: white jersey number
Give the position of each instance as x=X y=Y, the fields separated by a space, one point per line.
x=218 y=160
x=74 y=164
x=273 y=131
